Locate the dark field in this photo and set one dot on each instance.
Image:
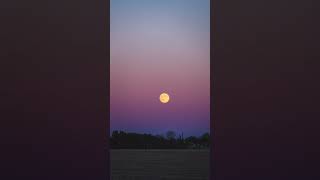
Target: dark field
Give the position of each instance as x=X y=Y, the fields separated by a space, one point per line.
x=159 y=164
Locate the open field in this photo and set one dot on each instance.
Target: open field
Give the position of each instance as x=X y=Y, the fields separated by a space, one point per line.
x=159 y=164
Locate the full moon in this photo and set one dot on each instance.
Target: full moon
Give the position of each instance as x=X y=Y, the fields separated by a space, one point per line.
x=164 y=97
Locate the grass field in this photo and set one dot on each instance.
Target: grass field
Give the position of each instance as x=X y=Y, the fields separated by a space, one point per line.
x=159 y=164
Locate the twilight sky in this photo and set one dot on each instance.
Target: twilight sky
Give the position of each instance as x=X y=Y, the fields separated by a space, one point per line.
x=160 y=46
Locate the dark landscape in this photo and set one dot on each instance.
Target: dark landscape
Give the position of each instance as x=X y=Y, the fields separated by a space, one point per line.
x=159 y=164
x=137 y=156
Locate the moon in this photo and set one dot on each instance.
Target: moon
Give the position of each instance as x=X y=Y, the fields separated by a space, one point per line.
x=164 y=98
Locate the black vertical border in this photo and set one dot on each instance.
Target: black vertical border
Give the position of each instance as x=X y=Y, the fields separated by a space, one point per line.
x=265 y=90
x=54 y=71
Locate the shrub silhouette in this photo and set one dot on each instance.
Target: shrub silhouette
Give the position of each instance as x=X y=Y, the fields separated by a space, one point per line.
x=171 y=135
x=127 y=140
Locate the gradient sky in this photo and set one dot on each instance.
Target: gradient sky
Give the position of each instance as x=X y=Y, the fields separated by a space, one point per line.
x=160 y=46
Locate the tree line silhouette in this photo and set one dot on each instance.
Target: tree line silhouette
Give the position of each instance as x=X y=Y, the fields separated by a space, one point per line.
x=127 y=140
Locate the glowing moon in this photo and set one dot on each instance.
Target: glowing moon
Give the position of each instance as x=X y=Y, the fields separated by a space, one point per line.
x=164 y=97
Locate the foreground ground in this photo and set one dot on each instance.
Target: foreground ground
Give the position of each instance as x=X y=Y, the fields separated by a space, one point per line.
x=159 y=164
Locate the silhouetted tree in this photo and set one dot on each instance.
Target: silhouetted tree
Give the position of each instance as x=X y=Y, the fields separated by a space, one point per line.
x=171 y=135
x=204 y=139
x=121 y=139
